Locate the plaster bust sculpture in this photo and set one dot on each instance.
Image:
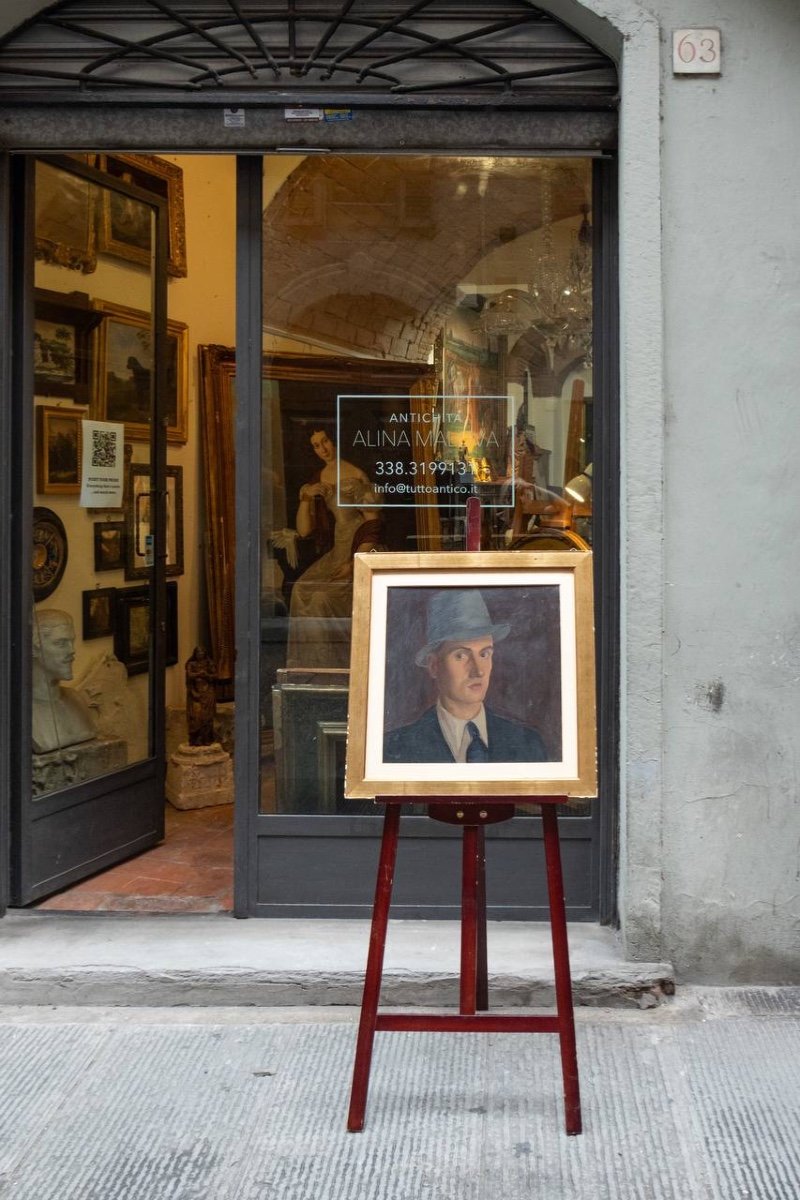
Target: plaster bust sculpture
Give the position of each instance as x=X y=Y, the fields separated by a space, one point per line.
x=59 y=717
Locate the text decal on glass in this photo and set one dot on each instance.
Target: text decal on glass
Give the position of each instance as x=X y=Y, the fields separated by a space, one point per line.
x=426 y=451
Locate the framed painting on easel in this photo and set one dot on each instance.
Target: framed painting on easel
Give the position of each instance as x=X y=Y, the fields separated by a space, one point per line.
x=472 y=674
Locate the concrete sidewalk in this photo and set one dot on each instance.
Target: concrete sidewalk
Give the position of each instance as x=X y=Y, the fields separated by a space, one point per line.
x=56 y=958
x=697 y=1099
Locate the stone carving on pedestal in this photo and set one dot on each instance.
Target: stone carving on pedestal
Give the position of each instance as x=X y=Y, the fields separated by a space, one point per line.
x=201 y=698
x=65 y=745
x=200 y=772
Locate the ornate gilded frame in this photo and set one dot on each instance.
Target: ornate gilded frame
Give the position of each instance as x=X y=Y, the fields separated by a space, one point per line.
x=383 y=662
x=177 y=400
x=57 y=475
x=217 y=404
x=165 y=180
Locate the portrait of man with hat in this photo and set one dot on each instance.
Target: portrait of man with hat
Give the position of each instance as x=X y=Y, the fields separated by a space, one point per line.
x=458 y=657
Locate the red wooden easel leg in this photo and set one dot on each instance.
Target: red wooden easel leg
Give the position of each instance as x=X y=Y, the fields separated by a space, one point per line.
x=482 y=987
x=558 y=925
x=372 y=981
x=469 y=921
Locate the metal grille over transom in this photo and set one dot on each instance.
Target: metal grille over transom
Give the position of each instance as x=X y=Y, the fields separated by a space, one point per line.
x=392 y=48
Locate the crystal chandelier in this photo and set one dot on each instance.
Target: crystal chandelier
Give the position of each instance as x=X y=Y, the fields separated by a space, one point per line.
x=510 y=313
x=557 y=302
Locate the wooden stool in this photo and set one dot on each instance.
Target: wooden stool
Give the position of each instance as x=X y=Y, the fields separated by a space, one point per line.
x=473 y=1014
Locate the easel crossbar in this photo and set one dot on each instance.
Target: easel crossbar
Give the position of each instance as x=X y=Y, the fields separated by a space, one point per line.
x=456 y=1023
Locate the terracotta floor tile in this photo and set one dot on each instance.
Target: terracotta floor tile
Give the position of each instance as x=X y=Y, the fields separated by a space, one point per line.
x=202 y=861
x=86 y=888
x=72 y=901
x=107 y=881
x=168 y=871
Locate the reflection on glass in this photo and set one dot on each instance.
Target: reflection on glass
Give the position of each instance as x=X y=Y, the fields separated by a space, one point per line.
x=428 y=333
x=93 y=396
x=335 y=512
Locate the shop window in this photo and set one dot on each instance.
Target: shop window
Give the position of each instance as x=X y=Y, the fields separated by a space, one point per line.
x=428 y=336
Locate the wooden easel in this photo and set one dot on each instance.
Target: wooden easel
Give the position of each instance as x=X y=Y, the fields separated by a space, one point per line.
x=473 y=1016
x=473 y=1013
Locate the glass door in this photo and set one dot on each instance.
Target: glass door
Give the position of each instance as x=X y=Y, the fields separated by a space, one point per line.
x=428 y=330
x=98 y=537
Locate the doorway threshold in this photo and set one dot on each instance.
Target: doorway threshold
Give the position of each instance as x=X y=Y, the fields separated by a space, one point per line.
x=120 y=959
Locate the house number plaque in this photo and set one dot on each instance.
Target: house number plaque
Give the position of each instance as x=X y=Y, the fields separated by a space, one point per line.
x=696 y=52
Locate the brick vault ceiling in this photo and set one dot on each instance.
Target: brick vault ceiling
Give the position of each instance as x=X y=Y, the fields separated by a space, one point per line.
x=365 y=252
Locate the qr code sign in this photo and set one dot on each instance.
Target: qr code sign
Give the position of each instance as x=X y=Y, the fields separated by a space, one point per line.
x=104 y=448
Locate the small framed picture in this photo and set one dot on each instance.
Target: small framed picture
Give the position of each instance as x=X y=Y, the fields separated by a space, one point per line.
x=124 y=363
x=109 y=545
x=132 y=628
x=125 y=226
x=62 y=345
x=58 y=450
x=472 y=674
x=65 y=232
x=98 y=613
x=139 y=521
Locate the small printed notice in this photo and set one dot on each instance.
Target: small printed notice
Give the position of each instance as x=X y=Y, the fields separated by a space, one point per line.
x=338 y=114
x=102 y=464
x=233 y=118
x=302 y=114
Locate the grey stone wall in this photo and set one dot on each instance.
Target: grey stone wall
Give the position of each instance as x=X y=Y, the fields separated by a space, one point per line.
x=731 y=156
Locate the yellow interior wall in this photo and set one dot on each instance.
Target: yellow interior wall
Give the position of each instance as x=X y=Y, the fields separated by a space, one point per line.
x=205 y=302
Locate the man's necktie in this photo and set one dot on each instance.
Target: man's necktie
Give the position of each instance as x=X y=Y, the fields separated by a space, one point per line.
x=477 y=750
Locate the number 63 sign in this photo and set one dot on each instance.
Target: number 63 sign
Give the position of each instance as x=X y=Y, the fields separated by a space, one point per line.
x=696 y=52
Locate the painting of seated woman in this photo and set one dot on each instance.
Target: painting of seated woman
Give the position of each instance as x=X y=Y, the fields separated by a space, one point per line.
x=322 y=598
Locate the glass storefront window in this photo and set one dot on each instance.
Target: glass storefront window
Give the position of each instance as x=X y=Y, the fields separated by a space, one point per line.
x=427 y=337
x=92 y=531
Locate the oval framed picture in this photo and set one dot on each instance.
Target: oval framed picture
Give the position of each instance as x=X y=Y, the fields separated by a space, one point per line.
x=49 y=552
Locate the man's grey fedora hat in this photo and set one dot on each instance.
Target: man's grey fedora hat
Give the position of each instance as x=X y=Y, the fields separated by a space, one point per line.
x=455 y=615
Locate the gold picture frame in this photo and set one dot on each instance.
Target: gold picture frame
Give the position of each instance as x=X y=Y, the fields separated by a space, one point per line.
x=58 y=450
x=522 y=629
x=65 y=231
x=294 y=410
x=120 y=234
x=123 y=358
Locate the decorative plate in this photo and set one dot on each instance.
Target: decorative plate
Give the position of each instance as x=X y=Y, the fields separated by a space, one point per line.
x=49 y=552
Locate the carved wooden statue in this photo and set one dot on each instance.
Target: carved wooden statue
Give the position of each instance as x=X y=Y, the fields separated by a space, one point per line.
x=201 y=698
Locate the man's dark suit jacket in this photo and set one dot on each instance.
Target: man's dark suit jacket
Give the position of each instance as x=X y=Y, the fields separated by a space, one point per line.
x=423 y=741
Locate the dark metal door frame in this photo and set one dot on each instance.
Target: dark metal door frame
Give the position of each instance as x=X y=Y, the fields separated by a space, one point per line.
x=606 y=528
x=248 y=449
x=6 y=558
x=253 y=826
x=139 y=780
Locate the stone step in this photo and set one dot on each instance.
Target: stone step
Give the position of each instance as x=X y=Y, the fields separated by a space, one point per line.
x=130 y=959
